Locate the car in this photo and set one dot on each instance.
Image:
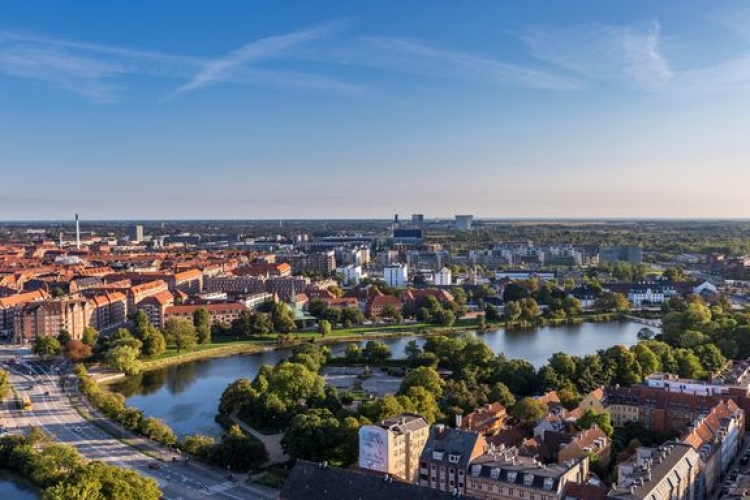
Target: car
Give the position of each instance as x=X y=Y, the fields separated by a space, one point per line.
x=78 y=429
x=154 y=466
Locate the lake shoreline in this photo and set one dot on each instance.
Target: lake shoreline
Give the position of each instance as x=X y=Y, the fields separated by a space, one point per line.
x=231 y=349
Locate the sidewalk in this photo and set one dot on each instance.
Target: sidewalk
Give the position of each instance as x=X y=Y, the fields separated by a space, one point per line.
x=272 y=442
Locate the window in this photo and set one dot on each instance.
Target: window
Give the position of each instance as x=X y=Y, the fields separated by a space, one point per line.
x=512 y=477
x=528 y=479
x=548 y=483
x=437 y=455
x=452 y=458
x=495 y=473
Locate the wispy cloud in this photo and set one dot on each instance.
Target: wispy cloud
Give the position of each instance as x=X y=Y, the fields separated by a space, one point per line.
x=223 y=68
x=418 y=57
x=96 y=71
x=628 y=54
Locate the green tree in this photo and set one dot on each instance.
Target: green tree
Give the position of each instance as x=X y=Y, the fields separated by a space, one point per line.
x=199 y=446
x=529 y=309
x=514 y=292
x=239 y=452
x=351 y=316
x=647 y=359
x=376 y=352
x=688 y=364
x=529 y=411
x=710 y=357
x=602 y=420
x=124 y=359
x=492 y=314
x=180 y=332
x=202 y=324
x=412 y=351
x=46 y=347
x=512 y=310
x=282 y=319
x=142 y=323
x=154 y=343
x=424 y=315
x=422 y=377
x=674 y=274
x=64 y=337
x=316 y=307
x=445 y=317
x=90 y=336
x=53 y=464
x=158 y=430
x=421 y=401
x=99 y=481
x=4 y=384
x=500 y=393
x=353 y=352
x=324 y=327
x=260 y=324
x=645 y=333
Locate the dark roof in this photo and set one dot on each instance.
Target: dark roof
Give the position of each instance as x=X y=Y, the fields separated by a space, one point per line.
x=575 y=491
x=446 y=442
x=310 y=481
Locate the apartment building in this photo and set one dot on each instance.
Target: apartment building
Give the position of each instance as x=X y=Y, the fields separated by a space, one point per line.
x=107 y=310
x=223 y=313
x=505 y=475
x=10 y=307
x=137 y=293
x=716 y=438
x=394 y=446
x=669 y=472
x=446 y=458
x=155 y=307
x=50 y=317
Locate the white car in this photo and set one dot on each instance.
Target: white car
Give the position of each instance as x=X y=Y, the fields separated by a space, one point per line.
x=78 y=429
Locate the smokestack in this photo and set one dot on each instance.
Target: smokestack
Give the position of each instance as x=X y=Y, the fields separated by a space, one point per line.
x=78 y=233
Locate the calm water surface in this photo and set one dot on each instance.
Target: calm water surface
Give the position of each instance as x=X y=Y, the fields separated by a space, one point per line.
x=187 y=396
x=13 y=487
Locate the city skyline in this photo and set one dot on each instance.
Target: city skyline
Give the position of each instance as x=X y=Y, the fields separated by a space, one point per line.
x=343 y=111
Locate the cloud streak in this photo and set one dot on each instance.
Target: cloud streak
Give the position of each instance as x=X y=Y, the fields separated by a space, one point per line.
x=223 y=68
x=627 y=54
x=416 y=57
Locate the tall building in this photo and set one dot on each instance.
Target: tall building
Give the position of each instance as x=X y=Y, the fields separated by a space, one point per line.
x=394 y=446
x=417 y=220
x=135 y=233
x=463 y=222
x=396 y=275
x=631 y=254
x=446 y=458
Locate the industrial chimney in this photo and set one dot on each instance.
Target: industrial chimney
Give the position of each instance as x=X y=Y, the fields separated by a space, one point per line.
x=78 y=233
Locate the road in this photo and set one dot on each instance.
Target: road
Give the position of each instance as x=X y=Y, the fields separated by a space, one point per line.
x=52 y=411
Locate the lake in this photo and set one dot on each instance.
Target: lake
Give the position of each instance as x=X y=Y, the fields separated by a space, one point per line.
x=187 y=396
x=15 y=488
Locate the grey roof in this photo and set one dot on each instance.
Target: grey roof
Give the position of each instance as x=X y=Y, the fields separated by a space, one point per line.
x=404 y=423
x=450 y=442
x=311 y=481
x=511 y=468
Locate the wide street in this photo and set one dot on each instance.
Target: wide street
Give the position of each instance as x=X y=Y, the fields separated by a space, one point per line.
x=53 y=411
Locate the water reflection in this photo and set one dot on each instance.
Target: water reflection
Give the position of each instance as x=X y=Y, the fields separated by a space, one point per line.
x=15 y=488
x=187 y=396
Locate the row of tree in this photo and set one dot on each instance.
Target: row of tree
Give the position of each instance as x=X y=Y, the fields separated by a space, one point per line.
x=63 y=474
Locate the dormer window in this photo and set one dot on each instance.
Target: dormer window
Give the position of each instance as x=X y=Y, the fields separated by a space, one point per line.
x=453 y=458
x=512 y=477
x=528 y=479
x=495 y=473
x=476 y=470
x=437 y=455
x=548 y=483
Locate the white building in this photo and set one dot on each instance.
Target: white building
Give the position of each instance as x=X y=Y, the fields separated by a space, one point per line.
x=463 y=222
x=350 y=274
x=444 y=277
x=397 y=275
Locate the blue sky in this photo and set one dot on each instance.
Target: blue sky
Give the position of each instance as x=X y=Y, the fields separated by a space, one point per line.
x=237 y=109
